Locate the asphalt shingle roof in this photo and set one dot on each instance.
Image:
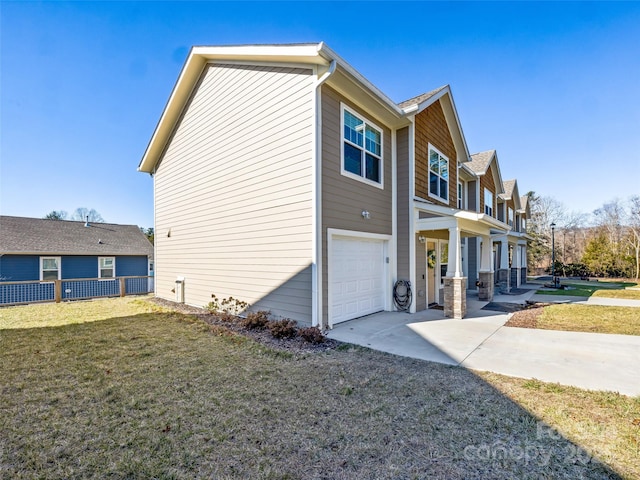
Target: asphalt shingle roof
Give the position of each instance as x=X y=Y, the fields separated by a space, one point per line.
x=480 y=161
x=420 y=98
x=42 y=236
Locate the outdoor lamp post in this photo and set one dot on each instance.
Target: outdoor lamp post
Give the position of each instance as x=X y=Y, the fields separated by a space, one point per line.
x=553 y=253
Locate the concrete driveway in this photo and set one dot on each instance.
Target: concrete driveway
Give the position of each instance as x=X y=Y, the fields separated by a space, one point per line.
x=482 y=342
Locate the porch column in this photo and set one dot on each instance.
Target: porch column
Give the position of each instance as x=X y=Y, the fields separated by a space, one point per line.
x=485 y=275
x=455 y=285
x=485 y=254
x=515 y=266
x=504 y=273
x=454 y=265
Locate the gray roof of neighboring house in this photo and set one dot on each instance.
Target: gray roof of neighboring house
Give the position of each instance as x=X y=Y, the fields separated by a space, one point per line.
x=421 y=98
x=22 y=235
x=480 y=161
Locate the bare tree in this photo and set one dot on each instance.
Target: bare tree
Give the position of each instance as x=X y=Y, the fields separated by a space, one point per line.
x=544 y=212
x=633 y=235
x=84 y=214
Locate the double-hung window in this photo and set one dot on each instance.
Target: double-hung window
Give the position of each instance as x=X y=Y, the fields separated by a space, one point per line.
x=361 y=148
x=460 y=196
x=49 y=268
x=106 y=267
x=510 y=217
x=438 y=174
x=488 y=202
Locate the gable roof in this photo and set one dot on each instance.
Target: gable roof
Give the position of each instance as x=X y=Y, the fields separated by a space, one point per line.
x=417 y=104
x=315 y=55
x=480 y=162
x=38 y=236
x=508 y=186
x=418 y=99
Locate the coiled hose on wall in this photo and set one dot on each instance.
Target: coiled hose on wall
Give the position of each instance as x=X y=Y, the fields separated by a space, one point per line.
x=402 y=295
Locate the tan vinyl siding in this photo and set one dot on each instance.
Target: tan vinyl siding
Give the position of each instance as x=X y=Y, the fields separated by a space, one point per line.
x=431 y=128
x=403 y=203
x=234 y=189
x=343 y=198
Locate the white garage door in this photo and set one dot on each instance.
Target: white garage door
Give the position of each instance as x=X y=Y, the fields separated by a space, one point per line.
x=357 y=278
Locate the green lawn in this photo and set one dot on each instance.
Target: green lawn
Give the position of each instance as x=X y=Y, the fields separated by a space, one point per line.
x=123 y=389
x=597 y=289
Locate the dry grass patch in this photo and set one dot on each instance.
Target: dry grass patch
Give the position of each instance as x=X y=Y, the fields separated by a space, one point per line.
x=579 y=318
x=164 y=395
x=66 y=313
x=591 y=318
x=627 y=294
x=604 y=423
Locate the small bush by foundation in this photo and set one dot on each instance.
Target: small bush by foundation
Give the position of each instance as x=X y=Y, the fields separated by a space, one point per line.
x=311 y=334
x=256 y=320
x=285 y=328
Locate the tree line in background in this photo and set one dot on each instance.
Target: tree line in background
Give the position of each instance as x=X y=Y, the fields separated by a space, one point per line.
x=605 y=243
x=89 y=215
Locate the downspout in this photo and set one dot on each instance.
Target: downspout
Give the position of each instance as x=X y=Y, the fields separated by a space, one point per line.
x=316 y=240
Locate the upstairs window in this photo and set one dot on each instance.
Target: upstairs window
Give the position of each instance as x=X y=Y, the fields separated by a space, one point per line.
x=438 y=174
x=49 y=268
x=361 y=149
x=488 y=202
x=460 y=196
x=106 y=267
x=510 y=217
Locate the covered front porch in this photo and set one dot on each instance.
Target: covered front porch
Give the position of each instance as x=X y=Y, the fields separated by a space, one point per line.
x=445 y=255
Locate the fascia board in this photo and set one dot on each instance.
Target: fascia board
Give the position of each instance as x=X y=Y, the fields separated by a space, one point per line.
x=303 y=53
x=172 y=110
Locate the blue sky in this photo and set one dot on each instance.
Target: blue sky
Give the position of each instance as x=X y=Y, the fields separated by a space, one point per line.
x=553 y=87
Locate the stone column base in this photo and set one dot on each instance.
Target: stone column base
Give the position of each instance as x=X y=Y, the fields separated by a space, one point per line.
x=485 y=286
x=455 y=297
x=515 y=277
x=503 y=280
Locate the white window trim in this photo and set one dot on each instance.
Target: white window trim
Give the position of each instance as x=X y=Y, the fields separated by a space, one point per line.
x=433 y=195
x=59 y=262
x=100 y=268
x=460 y=203
x=486 y=190
x=366 y=121
x=510 y=217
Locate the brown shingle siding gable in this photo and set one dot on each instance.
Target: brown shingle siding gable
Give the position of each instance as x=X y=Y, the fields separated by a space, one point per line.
x=42 y=236
x=431 y=128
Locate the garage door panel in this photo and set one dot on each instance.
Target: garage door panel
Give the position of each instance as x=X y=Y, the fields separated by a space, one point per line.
x=358 y=269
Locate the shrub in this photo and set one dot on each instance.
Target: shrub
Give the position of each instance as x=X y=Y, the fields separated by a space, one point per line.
x=256 y=320
x=311 y=334
x=227 y=317
x=285 y=328
x=229 y=306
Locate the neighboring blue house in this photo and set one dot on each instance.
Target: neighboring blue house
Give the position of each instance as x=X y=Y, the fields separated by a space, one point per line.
x=37 y=252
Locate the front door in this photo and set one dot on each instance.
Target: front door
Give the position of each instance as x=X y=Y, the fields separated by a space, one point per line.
x=432 y=257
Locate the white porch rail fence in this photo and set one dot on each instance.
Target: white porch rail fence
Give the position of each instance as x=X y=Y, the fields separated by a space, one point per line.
x=16 y=293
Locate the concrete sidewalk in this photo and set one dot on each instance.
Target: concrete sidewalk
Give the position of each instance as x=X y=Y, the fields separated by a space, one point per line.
x=613 y=302
x=481 y=342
